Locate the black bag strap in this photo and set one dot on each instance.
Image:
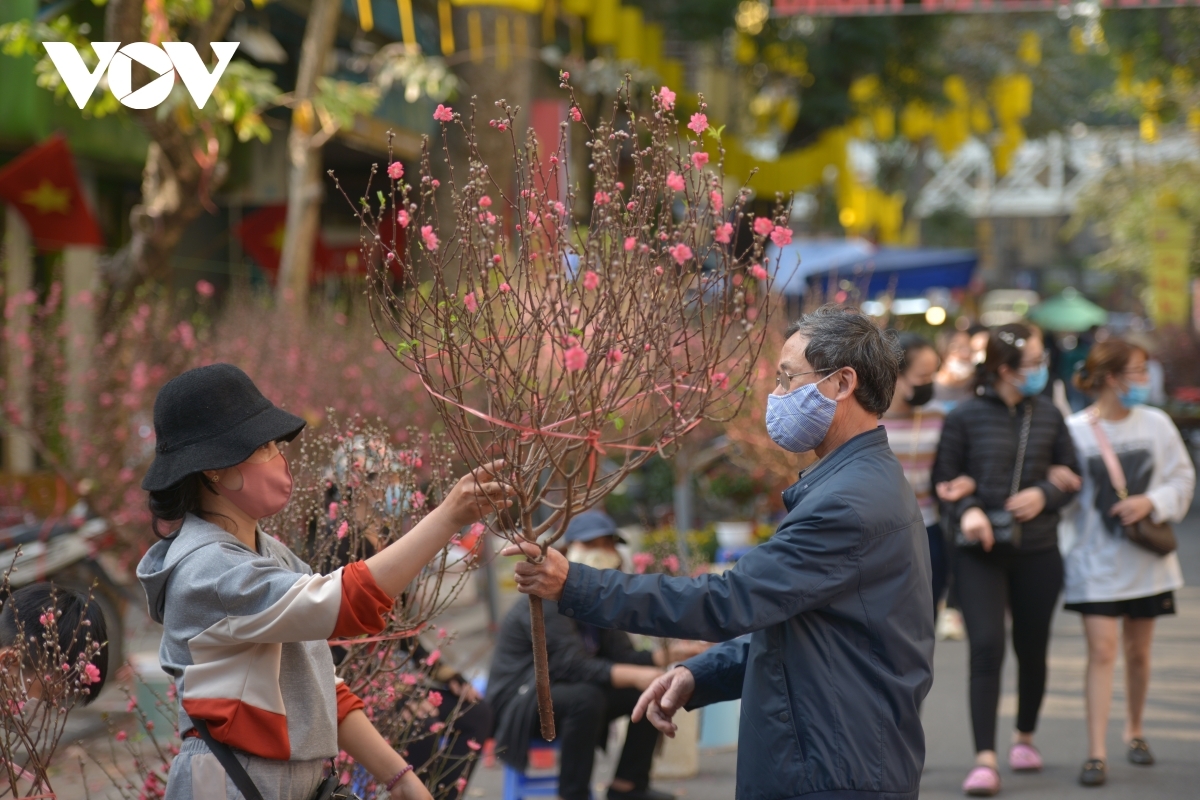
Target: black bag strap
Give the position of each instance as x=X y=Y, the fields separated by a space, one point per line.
x=233 y=768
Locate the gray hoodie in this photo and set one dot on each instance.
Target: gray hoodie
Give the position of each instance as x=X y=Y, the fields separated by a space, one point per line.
x=245 y=638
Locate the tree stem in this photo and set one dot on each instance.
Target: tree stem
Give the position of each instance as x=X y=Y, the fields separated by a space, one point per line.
x=541 y=668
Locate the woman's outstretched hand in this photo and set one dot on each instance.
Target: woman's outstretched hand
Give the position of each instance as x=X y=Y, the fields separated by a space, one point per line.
x=544 y=579
x=477 y=494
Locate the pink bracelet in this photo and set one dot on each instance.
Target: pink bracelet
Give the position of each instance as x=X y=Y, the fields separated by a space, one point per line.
x=392 y=783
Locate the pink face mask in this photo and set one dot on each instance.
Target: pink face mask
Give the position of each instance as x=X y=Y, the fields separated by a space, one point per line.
x=266 y=487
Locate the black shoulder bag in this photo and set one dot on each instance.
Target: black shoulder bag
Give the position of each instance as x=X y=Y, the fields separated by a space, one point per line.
x=1005 y=528
x=331 y=789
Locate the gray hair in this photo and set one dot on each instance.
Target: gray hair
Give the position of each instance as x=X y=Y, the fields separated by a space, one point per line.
x=845 y=337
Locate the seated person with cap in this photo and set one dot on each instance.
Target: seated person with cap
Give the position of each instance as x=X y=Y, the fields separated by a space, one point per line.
x=596 y=676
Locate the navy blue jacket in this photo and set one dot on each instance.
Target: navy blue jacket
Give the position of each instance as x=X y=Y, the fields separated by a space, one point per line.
x=840 y=654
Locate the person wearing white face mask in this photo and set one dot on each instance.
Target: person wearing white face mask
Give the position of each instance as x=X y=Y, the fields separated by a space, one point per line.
x=836 y=604
x=1137 y=475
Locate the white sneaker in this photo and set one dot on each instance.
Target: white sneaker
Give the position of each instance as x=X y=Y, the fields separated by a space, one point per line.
x=950 y=626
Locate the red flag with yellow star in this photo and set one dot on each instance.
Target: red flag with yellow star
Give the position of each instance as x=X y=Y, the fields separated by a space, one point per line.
x=41 y=183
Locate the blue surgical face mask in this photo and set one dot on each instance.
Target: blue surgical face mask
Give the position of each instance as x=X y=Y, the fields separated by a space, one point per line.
x=1135 y=394
x=1034 y=382
x=799 y=420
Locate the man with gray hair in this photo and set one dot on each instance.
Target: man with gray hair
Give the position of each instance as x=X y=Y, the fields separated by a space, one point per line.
x=827 y=634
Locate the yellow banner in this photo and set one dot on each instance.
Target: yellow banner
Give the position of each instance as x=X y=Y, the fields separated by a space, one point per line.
x=528 y=6
x=1170 y=248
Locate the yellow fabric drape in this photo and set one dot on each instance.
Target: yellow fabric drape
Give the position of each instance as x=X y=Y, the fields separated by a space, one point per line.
x=527 y=6
x=366 y=17
x=446 y=24
x=629 y=43
x=503 y=56
x=603 y=24
x=652 y=47
x=408 y=28
x=475 y=36
x=549 y=15
x=578 y=8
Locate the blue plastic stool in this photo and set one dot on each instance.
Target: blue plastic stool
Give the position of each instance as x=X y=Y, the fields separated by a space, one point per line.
x=518 y=785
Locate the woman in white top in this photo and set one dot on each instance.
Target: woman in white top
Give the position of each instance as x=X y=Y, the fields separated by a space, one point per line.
x=1108 y=576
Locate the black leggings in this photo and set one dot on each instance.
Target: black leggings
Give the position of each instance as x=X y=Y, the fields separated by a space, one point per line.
x=1028 y=584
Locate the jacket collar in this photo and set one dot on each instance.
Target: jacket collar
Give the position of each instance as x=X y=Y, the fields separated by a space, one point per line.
x=863 y=444
x=989 y=393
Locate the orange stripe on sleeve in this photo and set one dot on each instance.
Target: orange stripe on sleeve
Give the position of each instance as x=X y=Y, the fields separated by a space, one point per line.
x=363 y=603
x=347 y=701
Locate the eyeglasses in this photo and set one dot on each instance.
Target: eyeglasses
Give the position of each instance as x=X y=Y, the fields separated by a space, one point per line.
x=784 y=380
x=1041 y=362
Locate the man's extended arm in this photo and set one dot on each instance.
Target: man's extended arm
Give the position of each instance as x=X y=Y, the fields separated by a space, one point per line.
x=807 y=562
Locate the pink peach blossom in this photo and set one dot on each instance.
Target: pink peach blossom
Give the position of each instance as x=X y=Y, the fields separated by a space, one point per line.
x=485 y=201
x=680 y=252
x=91 y=674
x=204 y=288
x=699 y=159
x=720 y=380
x=435 y=699
x=505 y=288
x=723 y=233
x=601 y=198
x=717 y=201
x=395 y=170
x=630 y=242
x=443 y=113
x=430 y=238
x=781 y=236
x=343 y=529
x=698 y=123
x=575 y=114
x=433 y=658
x=615 y=356
x=590 y=280
x=757 y=272
x=471 y=303
x=667 y=98
x=575 y=358
x=763 y=226
x=675 y=181
x=403 y=218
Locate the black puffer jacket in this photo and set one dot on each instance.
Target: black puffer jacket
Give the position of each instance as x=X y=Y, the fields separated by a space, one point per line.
x=980 y=438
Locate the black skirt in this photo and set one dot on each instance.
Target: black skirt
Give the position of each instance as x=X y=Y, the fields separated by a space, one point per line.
x=1136 y=608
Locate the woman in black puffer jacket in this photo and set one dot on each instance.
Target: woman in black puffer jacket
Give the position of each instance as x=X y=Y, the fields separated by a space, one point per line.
x=1005 y=520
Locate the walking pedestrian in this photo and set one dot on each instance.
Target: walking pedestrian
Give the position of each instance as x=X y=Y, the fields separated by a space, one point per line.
x=245 y=621
x=992 y=475
x=1136 y=470
x=836 y=603
x=914 y=427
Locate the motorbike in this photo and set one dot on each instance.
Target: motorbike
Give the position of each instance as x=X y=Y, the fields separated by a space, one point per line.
x=63 y=550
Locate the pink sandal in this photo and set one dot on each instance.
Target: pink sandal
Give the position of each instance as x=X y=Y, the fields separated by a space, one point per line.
x=982 y=782
x=1024 y=758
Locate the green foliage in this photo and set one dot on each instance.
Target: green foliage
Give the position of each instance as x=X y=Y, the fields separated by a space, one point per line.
x=342 y=101
x=702 y=545
x=1121 y=205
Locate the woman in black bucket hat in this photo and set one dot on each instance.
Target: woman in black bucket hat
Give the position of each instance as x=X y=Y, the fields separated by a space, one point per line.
x=245 y=622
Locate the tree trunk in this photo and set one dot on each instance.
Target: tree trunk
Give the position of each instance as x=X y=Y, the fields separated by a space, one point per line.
x=305 y=186
x=174 y=184
x=541 y=668
x=18 y=388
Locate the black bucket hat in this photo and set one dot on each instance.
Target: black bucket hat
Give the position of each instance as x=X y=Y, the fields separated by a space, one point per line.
x=211 y=418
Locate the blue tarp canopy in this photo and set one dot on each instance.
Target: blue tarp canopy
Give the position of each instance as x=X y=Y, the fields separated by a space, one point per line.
x=908 y=271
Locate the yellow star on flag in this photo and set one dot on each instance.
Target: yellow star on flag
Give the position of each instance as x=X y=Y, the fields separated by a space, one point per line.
x=47 y=198
x=275 y=240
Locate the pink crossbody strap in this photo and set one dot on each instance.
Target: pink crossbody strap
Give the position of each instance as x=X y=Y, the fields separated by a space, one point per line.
x=1115 y=474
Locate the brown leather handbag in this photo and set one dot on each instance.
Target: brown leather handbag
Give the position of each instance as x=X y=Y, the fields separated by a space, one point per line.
x=1157 y=537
